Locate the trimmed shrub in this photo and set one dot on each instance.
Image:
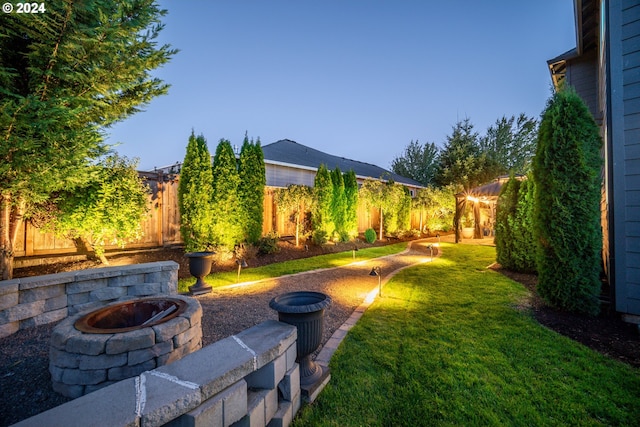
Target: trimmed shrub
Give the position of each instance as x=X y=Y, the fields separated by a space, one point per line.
x=370 y=235
x=524 y=251
x=566 y=171
x=268 y=244
x=505 y=214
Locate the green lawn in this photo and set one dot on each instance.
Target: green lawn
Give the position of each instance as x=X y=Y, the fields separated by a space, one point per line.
x=446 y=345
x=295 y=266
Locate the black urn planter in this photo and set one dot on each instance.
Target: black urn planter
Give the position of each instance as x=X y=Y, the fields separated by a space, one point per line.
x=305 y=311
x=199 y=267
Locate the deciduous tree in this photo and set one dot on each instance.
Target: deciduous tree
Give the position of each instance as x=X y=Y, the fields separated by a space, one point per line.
x=418 y=162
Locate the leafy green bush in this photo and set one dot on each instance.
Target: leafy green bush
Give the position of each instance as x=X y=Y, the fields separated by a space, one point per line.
x=268 y=244
x=370 y=235
x=566 y=170
x=319 y=237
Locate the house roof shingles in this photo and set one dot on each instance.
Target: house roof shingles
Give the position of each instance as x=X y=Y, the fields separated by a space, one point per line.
x=290 y=152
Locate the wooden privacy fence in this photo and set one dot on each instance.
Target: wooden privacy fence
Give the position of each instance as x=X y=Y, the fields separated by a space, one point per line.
x=162 y=225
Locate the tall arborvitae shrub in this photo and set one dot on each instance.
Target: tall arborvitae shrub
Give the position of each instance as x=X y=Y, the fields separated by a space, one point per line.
x=227 y=211
x=351 y=199
x=505 y=214
x=194 y=195
x=251 y=171
x=338 y=204
x=566 y=171
x=524 y=251
x=323 y=195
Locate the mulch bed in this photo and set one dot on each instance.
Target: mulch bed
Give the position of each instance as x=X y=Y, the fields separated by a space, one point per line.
x=24 y=377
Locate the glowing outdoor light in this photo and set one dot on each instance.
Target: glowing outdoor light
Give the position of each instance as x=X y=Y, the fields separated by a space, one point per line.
x=354 y=250
x=241 y=264
x=376 y=271
x=430 y=252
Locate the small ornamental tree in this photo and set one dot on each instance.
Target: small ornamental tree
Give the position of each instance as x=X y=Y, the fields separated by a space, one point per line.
x=505 y=218
x=107 y=211
x=227 y=214
x=296 y=199
x=566 y=171
x=194 y=195
x=437 y=207
x=371 y=195
x=338 y=204
x=323 y=195
x=251 y=171
x=351 y=199
x=404 y=211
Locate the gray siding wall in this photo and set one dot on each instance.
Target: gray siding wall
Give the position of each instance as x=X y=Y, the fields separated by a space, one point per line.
x=624 y=131
x=630 y=43
x=582 y=72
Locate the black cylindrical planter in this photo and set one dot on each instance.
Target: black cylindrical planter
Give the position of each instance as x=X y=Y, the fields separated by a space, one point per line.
x=305 y=311
x=199 y=267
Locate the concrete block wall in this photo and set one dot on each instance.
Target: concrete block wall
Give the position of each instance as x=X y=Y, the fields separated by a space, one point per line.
x=33 y=301
x=249 y=379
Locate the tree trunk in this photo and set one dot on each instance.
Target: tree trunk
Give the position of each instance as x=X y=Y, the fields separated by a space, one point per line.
x=11 y=217
x=380 y=223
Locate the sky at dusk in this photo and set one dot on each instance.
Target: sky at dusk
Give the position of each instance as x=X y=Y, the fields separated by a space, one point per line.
x=358 y=79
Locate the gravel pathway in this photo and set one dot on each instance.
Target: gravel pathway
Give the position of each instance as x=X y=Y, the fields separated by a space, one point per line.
x=25 y=386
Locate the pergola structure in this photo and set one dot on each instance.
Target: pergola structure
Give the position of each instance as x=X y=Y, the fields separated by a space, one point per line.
x=484 y=197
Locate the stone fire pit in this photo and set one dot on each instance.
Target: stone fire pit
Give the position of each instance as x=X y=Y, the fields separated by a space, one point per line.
x=89 y=351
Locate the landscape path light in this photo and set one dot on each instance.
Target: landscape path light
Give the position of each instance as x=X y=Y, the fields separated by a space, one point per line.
x=241 y=264
x=376 y=271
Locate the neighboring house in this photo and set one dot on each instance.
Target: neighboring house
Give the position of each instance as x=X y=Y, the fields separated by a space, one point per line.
x=604 y=69
x=288 y=162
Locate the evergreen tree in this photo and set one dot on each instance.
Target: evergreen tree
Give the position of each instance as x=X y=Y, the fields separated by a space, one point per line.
x=227 y=214
x=323 y=195
x=338 y=204
x=351 y=198
x=417 y=162
x=195 y=186
x=566 y=171
x=510 y=144
x=524 y=257
x=251 y=171
x=65 y=76
x=505 y=218
x=461 y=162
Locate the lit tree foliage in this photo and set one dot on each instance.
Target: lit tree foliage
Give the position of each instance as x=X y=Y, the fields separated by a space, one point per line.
x=297 y=199
x=351 y=198
x=418 y=162
x=65 y=75
x=107 y=211
x=338 y=204
x=194 y=195
x=437 y=207
x=227 y=215
x=251 y=171
x=323 y=224
x=566 y=171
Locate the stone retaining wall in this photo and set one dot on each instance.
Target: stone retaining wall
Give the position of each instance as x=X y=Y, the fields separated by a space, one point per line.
x=249 y=379
x=33 y=301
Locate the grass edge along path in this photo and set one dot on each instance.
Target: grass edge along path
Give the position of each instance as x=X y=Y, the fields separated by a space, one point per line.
x=332 y=260
x=452 y=343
